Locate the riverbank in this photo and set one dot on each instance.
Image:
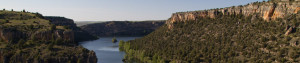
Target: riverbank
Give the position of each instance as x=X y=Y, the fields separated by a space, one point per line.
x=106 y=51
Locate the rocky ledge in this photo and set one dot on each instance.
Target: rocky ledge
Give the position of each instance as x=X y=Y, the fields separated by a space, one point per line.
x=267 y=10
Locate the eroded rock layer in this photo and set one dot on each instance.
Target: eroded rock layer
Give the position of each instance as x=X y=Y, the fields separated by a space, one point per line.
x=267 y=10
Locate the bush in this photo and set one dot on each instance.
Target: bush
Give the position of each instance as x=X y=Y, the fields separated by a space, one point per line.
x=114 y=40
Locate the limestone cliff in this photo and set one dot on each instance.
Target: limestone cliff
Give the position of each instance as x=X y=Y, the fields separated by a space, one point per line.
x=267 y=10
x=12 y=35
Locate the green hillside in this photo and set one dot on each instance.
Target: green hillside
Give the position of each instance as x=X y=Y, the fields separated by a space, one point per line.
x=228 y=38
x=29 y=38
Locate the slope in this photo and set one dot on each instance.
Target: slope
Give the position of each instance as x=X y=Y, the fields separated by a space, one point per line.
x=30 y=38
x=225 y=37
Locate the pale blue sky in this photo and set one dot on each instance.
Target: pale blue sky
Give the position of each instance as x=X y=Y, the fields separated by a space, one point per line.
x=108 y=10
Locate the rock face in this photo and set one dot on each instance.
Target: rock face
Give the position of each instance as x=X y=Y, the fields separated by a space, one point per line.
x=122 y=28
x=11 y=35
x=79 y=35
x=68 y=36
x=267 y=10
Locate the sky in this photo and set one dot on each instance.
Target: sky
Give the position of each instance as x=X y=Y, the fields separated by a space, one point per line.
x=116 y=10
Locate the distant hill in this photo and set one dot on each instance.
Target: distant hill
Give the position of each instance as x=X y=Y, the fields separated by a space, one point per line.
x=122 y=28
x=81 y=23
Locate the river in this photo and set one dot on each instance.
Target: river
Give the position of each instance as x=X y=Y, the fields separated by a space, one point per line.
x=106 y=51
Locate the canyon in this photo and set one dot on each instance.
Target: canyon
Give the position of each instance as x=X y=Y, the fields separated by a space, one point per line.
x=122 y=28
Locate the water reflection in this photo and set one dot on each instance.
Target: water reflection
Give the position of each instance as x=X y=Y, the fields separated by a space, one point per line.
x=106 y=51
x=112 y=48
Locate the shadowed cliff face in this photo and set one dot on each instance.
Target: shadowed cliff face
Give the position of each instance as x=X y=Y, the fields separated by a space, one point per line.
x=267 y=10
x=122 y=28
x=78 y=34
x=61 y=21
x=67 y=36
x=11 y=35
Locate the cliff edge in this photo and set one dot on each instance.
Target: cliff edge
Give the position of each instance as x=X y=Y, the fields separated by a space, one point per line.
x=270 y=10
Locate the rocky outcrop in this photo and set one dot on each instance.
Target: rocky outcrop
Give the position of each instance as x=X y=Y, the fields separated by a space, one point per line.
x=11 y=35
x=79 y=35
x=61 y=21
x=122 y=28
x=67 y=36
x=266 y=10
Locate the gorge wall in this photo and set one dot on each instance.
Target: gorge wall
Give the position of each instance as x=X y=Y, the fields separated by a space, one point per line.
x=122 y=28
x=268 y=10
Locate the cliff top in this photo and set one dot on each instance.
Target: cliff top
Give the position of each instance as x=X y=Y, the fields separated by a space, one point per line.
x=270 y=10
x=257 y=3
x=21 y=18
x=26 y=21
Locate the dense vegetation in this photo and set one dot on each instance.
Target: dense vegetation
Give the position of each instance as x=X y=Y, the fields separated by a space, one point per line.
x=30 y=38
x=122 y=28
x=39 y=52
x=226 y=38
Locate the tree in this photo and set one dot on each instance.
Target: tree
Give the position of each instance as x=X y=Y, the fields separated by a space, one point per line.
x=114 y=40
x=24 y=10
x=6 y=21
x=121 y=43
